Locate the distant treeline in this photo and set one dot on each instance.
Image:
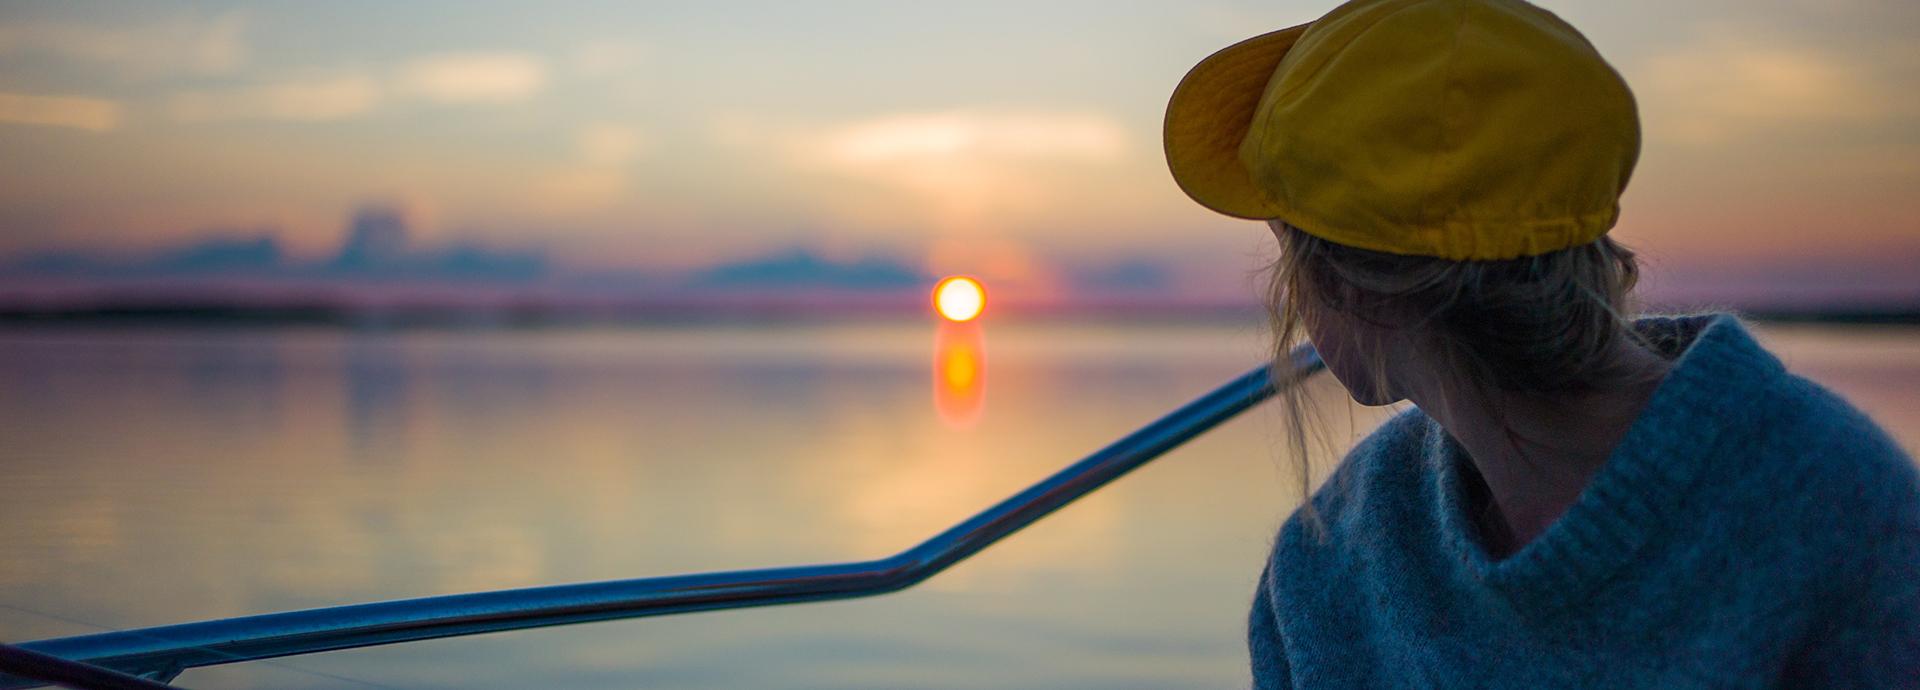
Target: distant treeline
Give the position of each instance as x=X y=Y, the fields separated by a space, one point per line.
x=214 y=314
x=1844 y=315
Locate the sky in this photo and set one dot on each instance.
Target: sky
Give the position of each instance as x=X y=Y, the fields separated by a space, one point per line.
x=1015 y=140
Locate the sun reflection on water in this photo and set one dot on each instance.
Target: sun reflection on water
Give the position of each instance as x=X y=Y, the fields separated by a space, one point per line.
x=959 y=373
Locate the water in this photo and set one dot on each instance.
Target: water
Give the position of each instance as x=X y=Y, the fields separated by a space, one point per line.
x=155 y=476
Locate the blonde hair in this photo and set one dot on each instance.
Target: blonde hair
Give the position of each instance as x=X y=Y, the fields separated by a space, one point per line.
x=1541 y=324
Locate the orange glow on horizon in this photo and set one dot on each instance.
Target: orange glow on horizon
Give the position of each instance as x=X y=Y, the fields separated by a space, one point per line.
x=959 y=298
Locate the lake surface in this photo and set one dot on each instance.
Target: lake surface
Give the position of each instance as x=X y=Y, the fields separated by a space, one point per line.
x=156 y=475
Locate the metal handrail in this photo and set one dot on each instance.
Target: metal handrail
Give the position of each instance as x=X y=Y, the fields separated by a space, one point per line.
x=163 y=652
x=48 y=668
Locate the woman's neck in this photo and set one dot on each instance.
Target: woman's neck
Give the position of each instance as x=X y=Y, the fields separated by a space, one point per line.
x=1536 y=452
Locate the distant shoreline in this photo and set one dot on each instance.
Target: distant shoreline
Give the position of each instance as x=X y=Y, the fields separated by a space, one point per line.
x=214 y=315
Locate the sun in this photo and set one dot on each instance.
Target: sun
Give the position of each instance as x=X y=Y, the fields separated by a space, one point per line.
x=959 y=298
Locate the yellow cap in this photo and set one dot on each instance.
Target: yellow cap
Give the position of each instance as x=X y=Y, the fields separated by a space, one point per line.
x=1460 y=129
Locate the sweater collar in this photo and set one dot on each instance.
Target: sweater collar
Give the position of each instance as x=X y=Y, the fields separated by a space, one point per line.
x=1717 y=372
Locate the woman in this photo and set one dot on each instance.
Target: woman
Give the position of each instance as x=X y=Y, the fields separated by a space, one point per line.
x=1576 y=499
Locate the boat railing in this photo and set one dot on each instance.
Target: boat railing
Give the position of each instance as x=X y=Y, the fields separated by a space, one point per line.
x=162 y=653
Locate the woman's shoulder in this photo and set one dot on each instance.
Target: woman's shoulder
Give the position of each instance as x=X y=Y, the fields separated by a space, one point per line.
x=1815 y=443
x=1771 y=429
x=1840 y=500
x=1835 y=492
x=1379 y=486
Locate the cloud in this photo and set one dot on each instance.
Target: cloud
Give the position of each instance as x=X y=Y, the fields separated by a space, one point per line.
x=1133 y=274
x=608 y=144
x=90 y=114
x=597 y=59
x=473 y=78
x=959 y=172
x=970 y=135
x=572 y=189
x=1727 y=88
x=598 y=176
x=309 y=100
x=192 y=45
x=477 y=79
x=801 y=268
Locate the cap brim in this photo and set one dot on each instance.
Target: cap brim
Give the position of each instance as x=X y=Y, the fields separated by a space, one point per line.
x=1209 y=115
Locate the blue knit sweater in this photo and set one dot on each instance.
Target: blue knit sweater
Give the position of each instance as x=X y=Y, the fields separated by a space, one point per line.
x=1751 y=530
